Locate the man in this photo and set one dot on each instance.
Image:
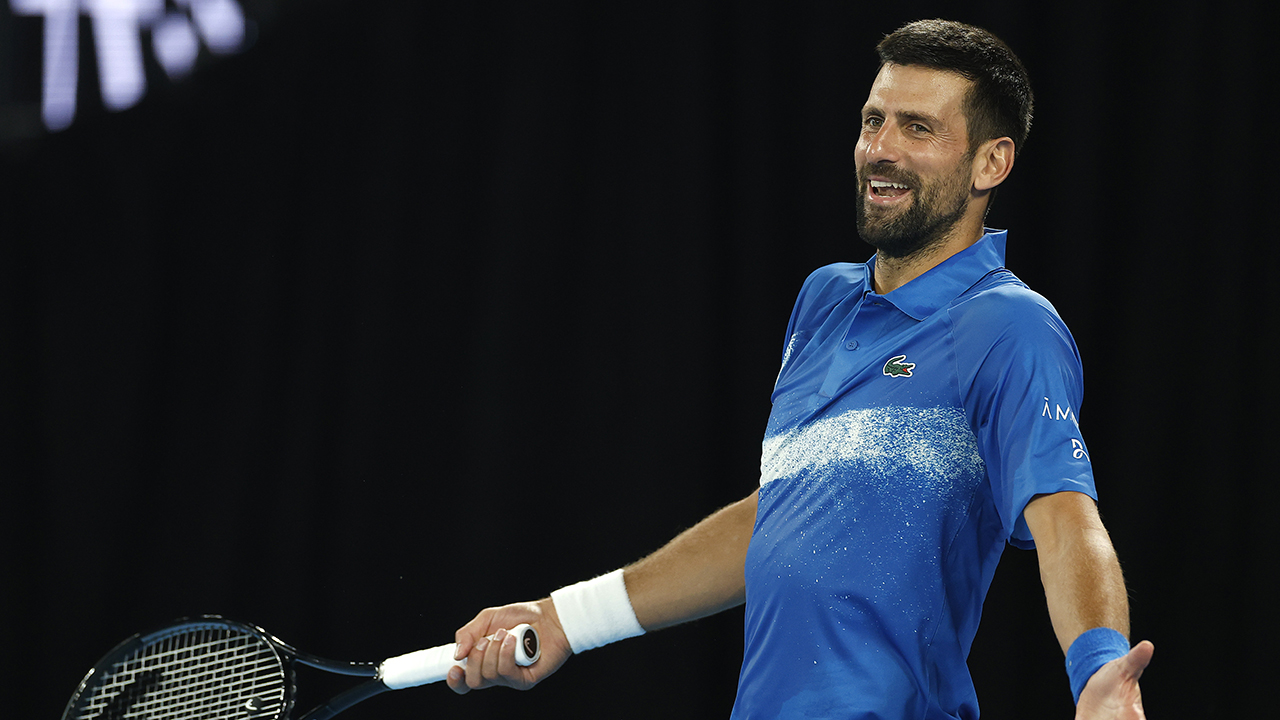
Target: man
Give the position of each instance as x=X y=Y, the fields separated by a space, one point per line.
x=923 y=417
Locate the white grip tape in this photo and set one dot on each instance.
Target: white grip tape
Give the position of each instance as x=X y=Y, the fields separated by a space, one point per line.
x=432 y=665
x=596 y=612
x=419 y=668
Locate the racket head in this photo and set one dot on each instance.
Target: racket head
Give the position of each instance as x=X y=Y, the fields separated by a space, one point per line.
x=196 y=667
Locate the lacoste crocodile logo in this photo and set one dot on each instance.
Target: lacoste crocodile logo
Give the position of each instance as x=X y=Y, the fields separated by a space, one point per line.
x=898 y=367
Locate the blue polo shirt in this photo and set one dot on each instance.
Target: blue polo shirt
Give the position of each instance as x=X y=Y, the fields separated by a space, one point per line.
x=908 y=432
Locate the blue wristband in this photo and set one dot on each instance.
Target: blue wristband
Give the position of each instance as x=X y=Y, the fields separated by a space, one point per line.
x=1093 y=649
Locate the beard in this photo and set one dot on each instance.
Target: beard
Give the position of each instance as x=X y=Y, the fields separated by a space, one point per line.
x=934 y=211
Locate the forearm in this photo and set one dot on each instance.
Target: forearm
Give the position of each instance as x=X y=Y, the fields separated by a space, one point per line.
x=699 y=573
x=1083 y=583
x=1085 y=589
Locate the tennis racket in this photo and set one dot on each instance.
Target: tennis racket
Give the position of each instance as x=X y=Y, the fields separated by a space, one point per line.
x=210 y=668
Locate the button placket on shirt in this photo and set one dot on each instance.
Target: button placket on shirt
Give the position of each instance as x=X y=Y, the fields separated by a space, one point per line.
x=864 y=327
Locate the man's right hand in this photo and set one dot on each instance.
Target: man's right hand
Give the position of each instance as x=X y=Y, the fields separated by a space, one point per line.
x=491 y=663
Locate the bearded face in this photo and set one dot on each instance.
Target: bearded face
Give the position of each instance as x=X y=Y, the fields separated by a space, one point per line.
x=915 y=165
x=900 y=213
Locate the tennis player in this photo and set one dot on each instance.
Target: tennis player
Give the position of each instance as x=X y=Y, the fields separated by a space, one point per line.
x=923 y=418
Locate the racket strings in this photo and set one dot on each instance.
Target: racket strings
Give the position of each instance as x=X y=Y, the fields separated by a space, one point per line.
x=208 y=672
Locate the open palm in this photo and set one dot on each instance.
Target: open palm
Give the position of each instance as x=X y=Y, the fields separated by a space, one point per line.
x=1112 y=693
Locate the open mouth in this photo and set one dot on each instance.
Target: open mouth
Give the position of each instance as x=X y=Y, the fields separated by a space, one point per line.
x=886 y=189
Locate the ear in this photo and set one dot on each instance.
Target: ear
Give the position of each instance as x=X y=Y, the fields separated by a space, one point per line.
x=992 y=163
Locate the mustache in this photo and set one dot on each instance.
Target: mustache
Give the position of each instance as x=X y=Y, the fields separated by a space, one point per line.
x=892 y=173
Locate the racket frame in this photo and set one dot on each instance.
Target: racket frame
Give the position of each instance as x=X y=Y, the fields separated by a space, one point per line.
x=286 y=655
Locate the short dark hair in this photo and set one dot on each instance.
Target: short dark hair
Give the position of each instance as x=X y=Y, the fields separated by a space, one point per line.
x=1000 y=102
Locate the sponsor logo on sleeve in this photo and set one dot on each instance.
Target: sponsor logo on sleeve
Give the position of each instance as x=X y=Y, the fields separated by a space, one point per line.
x=1058 y=412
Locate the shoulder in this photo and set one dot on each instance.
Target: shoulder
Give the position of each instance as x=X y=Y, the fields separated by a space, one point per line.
x=837 y=278
x=828 y=285
x=1000 y=301
x=1010 y=343
x=1000 y=323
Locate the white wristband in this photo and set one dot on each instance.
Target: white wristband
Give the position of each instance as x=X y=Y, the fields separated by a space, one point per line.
x=596 y=612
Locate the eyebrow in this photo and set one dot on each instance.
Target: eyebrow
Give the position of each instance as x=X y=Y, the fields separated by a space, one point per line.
x=903 y=115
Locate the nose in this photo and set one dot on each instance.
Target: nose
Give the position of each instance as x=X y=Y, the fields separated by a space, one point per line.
x=880 y=145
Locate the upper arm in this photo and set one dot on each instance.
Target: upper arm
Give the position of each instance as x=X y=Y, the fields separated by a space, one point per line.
x=1022 y=386
x=1053 y=518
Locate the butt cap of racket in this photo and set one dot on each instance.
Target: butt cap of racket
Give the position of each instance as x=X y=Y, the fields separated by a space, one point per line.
x=433 y=664
x=528 y=645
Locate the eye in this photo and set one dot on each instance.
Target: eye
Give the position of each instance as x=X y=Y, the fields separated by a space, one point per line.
x=872 y=122
x=918 y=128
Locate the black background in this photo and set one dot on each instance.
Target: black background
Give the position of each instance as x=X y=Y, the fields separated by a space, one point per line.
x=414 y=308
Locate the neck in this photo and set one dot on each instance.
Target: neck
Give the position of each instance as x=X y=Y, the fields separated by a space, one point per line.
x=892 y=273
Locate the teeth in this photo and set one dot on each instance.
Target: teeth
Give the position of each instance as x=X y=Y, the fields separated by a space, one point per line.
x=883 y=184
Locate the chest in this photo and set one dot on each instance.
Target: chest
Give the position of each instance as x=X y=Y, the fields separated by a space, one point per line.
x=864 y=354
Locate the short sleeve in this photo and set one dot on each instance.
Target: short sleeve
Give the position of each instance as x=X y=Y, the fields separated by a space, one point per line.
x=1022 y=386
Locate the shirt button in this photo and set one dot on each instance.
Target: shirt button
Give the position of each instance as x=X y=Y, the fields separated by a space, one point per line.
x=851 y=345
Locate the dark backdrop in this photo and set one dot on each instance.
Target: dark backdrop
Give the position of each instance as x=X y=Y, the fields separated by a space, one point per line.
x=411 y=309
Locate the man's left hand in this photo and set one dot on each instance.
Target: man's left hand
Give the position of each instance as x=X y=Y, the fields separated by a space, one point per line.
x=1112 y=693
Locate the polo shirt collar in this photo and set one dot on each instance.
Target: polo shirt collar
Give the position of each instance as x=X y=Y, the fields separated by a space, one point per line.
x=943 y=283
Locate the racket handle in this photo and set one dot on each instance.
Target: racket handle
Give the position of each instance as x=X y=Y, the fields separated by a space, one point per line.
x=432 y=665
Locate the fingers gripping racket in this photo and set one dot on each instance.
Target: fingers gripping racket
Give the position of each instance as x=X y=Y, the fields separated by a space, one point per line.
x=213 y=668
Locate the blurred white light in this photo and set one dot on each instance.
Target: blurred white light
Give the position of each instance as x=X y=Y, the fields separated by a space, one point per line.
x=221 y=23
x=176 y=45
x=117 y=39
x=61 y=57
